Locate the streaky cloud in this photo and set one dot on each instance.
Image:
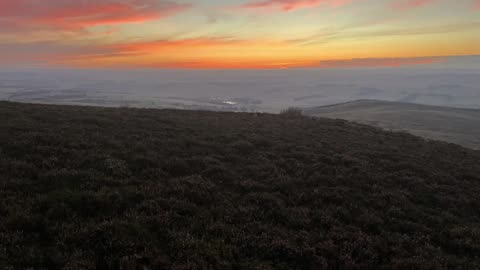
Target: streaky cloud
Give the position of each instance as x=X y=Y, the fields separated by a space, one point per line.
x=77 y=15
x=411 y=4
x=381 y=62
x=292 y=5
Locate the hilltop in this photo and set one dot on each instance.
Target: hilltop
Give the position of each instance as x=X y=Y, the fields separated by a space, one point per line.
x=455 y=125
x=105 y=188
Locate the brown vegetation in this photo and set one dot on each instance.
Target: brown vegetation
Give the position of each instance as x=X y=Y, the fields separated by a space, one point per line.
x=98 y=188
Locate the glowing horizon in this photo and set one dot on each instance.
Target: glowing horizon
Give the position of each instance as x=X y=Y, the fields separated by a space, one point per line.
x=236 y=33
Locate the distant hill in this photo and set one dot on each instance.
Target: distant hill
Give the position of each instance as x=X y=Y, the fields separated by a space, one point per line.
x=104 y=188
x=455 y=125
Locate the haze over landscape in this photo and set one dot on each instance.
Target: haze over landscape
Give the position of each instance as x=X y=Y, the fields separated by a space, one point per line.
x=455 y=125
x=242 y=90
x=240 y=134
x=241 y=55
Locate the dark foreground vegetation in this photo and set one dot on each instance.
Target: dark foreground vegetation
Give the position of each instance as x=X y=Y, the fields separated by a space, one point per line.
x=98 y=188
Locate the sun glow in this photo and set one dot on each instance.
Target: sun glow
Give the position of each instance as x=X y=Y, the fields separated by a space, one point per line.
x=238 y=34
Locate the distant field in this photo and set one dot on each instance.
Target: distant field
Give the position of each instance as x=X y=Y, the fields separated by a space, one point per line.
x=240 y=90
x=455 y=125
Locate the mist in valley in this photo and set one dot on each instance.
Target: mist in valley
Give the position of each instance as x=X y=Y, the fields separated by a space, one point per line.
x=242 y=90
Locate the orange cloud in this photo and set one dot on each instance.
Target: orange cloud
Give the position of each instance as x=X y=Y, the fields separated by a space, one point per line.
x=291 y=5
x=160 y=45
x=349 y=63
x=75 y=14
x=188 y=53
x=381 y=62
x=218 y=53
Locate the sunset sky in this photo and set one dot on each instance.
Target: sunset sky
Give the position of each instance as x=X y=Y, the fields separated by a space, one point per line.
x=236 y=33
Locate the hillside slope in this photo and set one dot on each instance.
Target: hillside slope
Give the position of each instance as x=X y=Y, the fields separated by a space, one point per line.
x=455 y=125
x=100 y=188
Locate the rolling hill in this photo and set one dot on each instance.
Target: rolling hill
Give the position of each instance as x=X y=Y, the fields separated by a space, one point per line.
x=455 y=125
x=105 y=188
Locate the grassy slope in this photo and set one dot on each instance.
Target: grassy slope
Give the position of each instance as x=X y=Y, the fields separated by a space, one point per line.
x=108 y=188
x=455 y=125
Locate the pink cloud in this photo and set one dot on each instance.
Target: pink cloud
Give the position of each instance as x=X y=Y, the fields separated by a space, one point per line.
x=476 y=4
x=76 y=14
x=291 y=5
x=411 y=4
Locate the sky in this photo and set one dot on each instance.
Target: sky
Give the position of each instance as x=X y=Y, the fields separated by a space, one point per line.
x=236 y=34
